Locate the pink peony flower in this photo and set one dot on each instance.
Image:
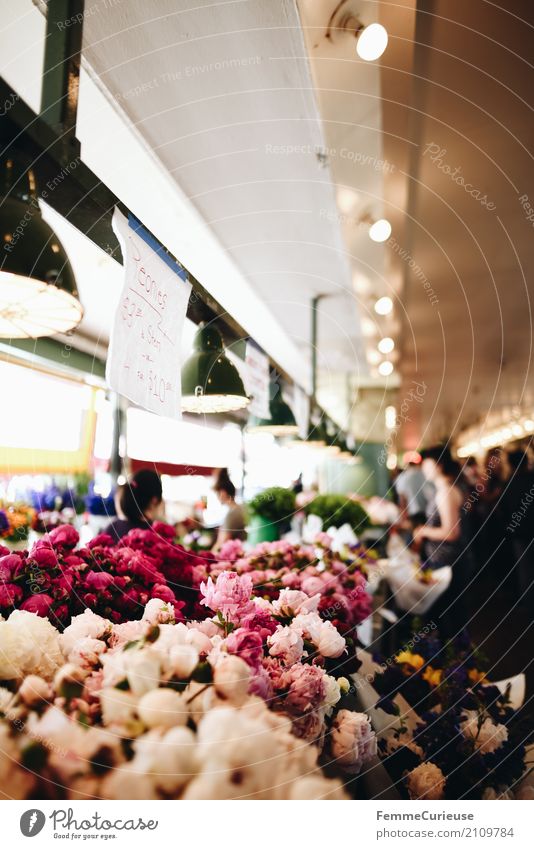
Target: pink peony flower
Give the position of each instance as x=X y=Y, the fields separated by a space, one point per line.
x=98 y=580
x=248 y=645
x=293 y=602
x=286 y=644
x=230 y=595
x=65 y=536
x=39 y=604
x=10 y=595
x=305 y=688
x=44 y=557
x=9 y=564
x=353 y=740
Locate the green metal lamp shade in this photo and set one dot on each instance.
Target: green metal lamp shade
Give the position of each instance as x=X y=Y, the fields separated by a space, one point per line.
x=282 y=421
x=210 y=382
x=38 y=295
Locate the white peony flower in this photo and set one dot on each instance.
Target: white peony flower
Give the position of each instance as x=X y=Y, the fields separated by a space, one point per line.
x=487 y=736
x=6 y=699
x=317 y=787
x=293 y=602
x=35 y=690
x=162 y=708
x=118 y=706
x=287 y=644
x=87 y=624
x=168 y=760
x=353 y=740
x=426 y=781
x=29 y=644
x=309 y=624
x=182 y=660
x=143 y=670
x=330 y=642
x=231 y=678
x=158 y=612
x=87 y=651
x=333 y=693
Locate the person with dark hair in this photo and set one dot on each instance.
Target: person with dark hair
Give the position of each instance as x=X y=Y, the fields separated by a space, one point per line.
x=441 y=536
x=233 y=525
x=139 y=502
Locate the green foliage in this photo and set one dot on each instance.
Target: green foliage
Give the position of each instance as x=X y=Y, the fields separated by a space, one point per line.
x=338 y=510
x=273 y=504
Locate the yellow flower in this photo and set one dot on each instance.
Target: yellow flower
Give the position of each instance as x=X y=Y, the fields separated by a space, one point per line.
x=413 y=660
x=433 y=676
x=475 y=676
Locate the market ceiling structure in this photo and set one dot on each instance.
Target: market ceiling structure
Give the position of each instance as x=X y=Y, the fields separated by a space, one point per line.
x=256 y=149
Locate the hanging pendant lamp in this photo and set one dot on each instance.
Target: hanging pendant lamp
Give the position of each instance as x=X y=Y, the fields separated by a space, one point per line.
x=38 y=295
x=282 y=421
x=210 y=381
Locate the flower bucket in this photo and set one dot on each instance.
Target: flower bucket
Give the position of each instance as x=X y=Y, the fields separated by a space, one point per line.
x=262 y=530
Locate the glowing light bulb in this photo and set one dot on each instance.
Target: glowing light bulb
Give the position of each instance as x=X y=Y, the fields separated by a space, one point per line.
x=380 y=230
x=372 y=41
x=386 y=345
x=384 y=305
x=385 y=368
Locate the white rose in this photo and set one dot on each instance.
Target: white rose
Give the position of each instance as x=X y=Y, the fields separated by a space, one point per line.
x=426 y=781
x=231 y=678
x=182 y=660
x=162 y=708
x=142 y=670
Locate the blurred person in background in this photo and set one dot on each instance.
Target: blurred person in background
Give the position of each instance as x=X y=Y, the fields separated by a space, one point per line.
x=492 y=515
x=234 y=522
x=412 y=491
x=140 y=503
x=518 y=509
x=444 y=538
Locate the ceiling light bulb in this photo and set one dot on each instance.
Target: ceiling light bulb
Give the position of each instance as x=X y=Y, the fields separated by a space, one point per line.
x=386 y=345
x=372 y=41
x=380 y=230
x=384 y=305
x=385 y=368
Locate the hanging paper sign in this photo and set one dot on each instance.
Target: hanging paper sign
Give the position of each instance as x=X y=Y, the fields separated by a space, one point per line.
x=257 y=363
x=301 y=410
x=143 y=361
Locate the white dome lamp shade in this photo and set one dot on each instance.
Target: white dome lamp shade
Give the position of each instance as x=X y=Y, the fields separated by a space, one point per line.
x=38 y=295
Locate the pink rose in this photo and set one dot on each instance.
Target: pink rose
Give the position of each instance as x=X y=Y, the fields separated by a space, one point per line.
x=39 y=604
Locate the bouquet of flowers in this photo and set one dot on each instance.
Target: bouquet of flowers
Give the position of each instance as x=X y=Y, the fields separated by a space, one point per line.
x=16 y=521
x=340 y=581
x=241 y=705
x=464 y=739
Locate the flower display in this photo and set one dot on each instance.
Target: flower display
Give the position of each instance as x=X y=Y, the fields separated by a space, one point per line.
x=16 y=521
x=159 y=708
x=464 y=738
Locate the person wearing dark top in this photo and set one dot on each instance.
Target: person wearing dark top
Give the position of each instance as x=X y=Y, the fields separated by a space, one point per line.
x=519 y=513
x=139 y=501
